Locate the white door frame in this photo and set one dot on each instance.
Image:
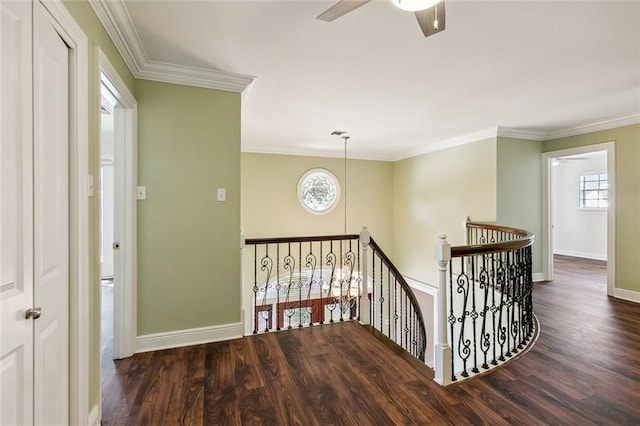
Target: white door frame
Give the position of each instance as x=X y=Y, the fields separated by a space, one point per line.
x=547 y=230
x=125 y=177
x=79 y=307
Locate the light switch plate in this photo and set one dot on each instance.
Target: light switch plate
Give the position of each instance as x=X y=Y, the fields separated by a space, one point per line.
x=141 y=192
x=222 y=194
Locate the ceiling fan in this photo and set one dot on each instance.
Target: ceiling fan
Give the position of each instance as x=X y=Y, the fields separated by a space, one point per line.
x=430 y=13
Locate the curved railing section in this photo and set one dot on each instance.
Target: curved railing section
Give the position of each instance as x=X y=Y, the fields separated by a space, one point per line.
x=485 y=306
x=304 y=281
x=394 y=308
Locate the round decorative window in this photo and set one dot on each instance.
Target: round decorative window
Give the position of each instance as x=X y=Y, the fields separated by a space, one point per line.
x=318 y=191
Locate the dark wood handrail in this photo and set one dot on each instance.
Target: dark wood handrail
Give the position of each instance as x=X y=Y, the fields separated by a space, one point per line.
x=526 y=239
x=403 y=283
x=277 y=240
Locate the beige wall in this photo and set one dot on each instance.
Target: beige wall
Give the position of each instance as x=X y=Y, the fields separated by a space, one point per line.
x=627 y=191
x=188 y=243
x=83 y=15
x=270 y=205
x=433 y=193
x=519 y=186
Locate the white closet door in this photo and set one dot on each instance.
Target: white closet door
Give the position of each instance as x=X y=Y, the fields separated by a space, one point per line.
x=16 y=215
x=51 y=221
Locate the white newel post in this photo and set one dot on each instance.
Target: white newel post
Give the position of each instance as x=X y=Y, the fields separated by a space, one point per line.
x=442 y=364
x=365 y=306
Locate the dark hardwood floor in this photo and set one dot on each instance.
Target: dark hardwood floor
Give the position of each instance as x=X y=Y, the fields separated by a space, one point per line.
x=584 y=369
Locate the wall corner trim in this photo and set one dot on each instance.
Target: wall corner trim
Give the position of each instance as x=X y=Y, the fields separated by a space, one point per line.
x=188 y=337
x=117 y=23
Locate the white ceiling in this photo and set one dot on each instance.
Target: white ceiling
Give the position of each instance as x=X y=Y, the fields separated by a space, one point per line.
x=539 y=66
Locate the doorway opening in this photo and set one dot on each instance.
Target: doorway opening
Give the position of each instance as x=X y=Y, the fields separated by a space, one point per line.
x=578 y=200
x=117 y=287
x=107 y=142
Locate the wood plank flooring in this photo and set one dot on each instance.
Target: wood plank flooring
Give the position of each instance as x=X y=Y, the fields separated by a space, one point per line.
x=584 y=369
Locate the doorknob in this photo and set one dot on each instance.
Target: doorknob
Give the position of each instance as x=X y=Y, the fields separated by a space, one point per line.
x=116 y=246
x=33 y=313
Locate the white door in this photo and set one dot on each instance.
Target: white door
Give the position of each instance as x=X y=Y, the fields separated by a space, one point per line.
x=34 y=251
x=51 y=221
x=16 y=215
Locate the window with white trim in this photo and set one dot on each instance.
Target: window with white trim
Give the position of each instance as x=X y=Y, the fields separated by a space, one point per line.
x=594 y=191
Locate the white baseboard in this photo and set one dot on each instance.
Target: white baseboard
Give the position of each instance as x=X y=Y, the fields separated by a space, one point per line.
x=423 y=287
x=94 y=416
x=583 y=254
x=630 y=295
x=538 y=276
x=189 y=337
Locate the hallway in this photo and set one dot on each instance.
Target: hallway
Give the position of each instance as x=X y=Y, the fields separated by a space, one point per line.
x=583 y=370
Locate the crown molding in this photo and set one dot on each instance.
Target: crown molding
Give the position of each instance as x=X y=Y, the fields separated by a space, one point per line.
x=611 y=123
x=508 y=132
x=305 y=152
x=491 y=132
x=117 y=22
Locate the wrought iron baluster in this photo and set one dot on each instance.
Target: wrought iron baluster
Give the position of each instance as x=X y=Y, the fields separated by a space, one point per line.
x=452 y=320
x=321 y=285
x=310 y=264
x=474 y=315
x=255 y=288
x=373 y=286
x=485 y=337
x=381 y=296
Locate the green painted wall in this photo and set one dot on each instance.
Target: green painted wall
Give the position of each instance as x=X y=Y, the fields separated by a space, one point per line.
x=519 y=189
x=188 y=243
x=270 y=205
x=97 y=37
x=627 y=208
x=432 y=194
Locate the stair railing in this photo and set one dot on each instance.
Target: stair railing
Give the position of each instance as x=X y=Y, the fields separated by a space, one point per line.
x=484 y=304
x=307 y=281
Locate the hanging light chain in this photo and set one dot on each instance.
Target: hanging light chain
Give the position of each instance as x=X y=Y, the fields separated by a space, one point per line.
x=346 y=138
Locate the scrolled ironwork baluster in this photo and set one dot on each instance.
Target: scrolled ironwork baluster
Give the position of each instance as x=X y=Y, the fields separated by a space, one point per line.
x=331 y=261
x=452 y=320
x=501 y=332
x=349 y=261
x=464 y=344
x=288 y=264
x=266 y=266
x=485 y=337
x=474 y=315
x=310 y=264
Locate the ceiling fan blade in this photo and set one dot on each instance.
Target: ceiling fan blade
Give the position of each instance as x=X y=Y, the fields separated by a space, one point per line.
x=428 y=17
x=341 y=8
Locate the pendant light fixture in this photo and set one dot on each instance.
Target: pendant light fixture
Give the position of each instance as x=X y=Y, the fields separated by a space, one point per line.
x=344 y=137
